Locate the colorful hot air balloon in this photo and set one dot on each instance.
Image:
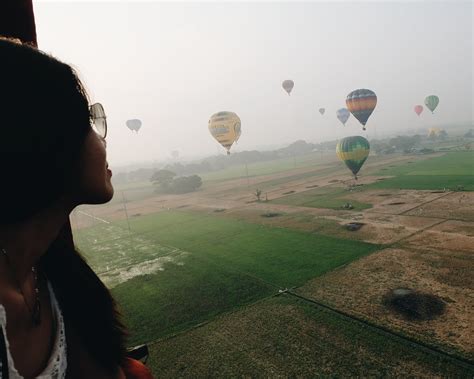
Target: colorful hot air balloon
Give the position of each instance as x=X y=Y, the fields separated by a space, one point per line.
x=225 y=128
x=433 y=132
x=432 y=102
x=361 y=103
x=353 y=151
x=418 y=109
x=134 y=124
x=322 y=110
x=343 y=115
x=288 y=86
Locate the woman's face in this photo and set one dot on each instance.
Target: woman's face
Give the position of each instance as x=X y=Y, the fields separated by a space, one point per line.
x=95 y=176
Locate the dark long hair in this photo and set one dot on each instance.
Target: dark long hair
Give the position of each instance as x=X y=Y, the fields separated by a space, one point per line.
x=44 y=119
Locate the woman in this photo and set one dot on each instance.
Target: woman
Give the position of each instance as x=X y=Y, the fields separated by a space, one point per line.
x=57 y=319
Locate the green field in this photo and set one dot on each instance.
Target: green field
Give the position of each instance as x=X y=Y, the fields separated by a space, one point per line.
x=442 y=172
x=205 y=265
x=175 y=270
x=327 y=197
x=447 y=171
x=268 y=167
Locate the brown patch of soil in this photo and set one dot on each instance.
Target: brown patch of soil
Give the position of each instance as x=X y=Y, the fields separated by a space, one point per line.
x=456 y=205
x=360 y=288
x=395 y=202
x=437 y=240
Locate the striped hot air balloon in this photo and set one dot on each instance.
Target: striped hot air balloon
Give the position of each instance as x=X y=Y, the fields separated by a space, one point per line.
x=322 y=110
x=432 y=102
x=361 y=103
x=225 y=128
x=353 y=151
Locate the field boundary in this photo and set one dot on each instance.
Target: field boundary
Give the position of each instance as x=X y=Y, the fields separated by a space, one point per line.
x=413 y=342
x=431 y=349
x=427 y=202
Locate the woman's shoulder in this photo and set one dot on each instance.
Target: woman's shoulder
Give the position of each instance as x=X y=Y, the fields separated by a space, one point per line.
x=57 y=363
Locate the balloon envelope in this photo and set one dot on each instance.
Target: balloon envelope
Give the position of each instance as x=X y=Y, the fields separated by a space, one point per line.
x=322 y=110
x=225 y=127
x=418 y=109
x=432 y=102
x=134 y=124
x=288 y=85
x=353 y=151
x=361 y=103
x=343 y=115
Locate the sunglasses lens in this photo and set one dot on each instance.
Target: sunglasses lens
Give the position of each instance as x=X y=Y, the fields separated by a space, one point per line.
x=100 y=127
x=99 y=119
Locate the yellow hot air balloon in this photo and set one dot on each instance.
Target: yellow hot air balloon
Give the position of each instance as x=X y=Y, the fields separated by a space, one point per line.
x=225 y=128
x=433 y=132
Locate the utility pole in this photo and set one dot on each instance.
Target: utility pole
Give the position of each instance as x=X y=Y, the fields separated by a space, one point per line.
x=247 y=173
x=126 y=211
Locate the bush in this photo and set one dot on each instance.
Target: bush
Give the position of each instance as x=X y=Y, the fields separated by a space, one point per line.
x=182 y=184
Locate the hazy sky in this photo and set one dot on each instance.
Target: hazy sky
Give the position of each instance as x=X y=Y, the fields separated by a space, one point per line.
x=175 y=64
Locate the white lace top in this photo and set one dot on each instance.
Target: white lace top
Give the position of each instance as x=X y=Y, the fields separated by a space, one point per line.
x=57 y=364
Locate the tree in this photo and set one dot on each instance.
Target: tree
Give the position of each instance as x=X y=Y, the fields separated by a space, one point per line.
x=163 y=178
x=404 y=143
x=443 y=135
x=258 y=194
x=185 y=184
x=432 y=136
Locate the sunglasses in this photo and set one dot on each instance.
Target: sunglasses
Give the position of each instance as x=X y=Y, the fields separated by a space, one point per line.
x=99 y=120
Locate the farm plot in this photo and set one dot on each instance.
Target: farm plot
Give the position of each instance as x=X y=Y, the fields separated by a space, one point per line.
x=285 y=337
x=195 y=266
x=361 y=287
x=447 y=172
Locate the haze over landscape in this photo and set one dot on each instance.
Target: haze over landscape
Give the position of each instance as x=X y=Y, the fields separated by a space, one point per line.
x=175 y=64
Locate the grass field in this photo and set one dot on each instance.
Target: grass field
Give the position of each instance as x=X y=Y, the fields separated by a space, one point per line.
x=269 y=167
x=327 y=197
x=448 y=171
x=285 y=337
x=212 y=265
x=174 y=270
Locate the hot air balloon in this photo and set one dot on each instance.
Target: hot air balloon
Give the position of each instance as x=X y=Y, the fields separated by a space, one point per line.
x=343 y=115
x=353 y=151
x=322 y=110
x=225 y=128
x=361 y=103
x=418 y=109
x=288 y=86
x=432 y=102
x=134 y=124
x=433 y=132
